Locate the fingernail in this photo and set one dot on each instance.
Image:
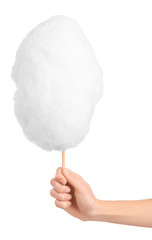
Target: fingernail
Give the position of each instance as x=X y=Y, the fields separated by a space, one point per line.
x=69 y=197
x=66 y=171
x=68 y=190
x=63 y=182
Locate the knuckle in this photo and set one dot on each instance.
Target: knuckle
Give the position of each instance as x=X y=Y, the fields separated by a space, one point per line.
x=78 y=176
x=58 y=169
x=52 y=181
x=86 y=184
x=67 y=204
x=56 y=203
x=81 y=179
x=51 y=192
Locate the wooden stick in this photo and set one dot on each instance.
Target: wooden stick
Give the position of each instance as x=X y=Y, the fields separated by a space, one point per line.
x=63 y=159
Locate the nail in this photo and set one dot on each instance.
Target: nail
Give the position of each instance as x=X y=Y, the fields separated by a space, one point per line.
x=63 y=182
x=68 y=190
x=69 y=197
x=66 y=171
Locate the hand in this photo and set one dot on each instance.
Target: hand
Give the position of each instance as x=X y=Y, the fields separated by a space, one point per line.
x=73 y=194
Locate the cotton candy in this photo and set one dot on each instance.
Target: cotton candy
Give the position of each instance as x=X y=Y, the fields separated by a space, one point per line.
x=59 y=82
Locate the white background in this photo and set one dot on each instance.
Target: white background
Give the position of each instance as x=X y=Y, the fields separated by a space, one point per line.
x=115 y=157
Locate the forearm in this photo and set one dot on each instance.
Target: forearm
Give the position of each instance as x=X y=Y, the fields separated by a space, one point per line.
x=137 y=213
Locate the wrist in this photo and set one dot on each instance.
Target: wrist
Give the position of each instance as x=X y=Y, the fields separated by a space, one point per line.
x=98 y=211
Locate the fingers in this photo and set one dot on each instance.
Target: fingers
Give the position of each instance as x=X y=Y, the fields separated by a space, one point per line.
x=62 y=204
x=59 y=177
x=59 y=187
x=60 y=191
x=60 y=196
x=74 y=179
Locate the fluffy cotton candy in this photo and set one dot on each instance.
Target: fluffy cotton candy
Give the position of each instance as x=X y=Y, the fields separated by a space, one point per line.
x=58 y=82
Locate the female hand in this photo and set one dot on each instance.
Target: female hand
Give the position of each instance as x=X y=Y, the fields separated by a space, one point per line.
x=73 y=194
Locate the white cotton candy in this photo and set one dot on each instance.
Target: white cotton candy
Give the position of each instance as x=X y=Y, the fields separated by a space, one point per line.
x=59 y=82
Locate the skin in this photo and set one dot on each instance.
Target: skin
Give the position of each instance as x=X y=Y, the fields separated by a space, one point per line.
x=75 y=196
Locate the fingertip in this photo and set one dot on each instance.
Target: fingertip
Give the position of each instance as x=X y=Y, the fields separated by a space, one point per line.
x=60 y=177
x=58 y=169
x=66 y=171
x=62 y=204
x=62 y=181
x=68 y=204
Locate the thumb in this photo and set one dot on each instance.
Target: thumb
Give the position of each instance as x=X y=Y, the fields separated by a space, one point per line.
x=72 y=178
